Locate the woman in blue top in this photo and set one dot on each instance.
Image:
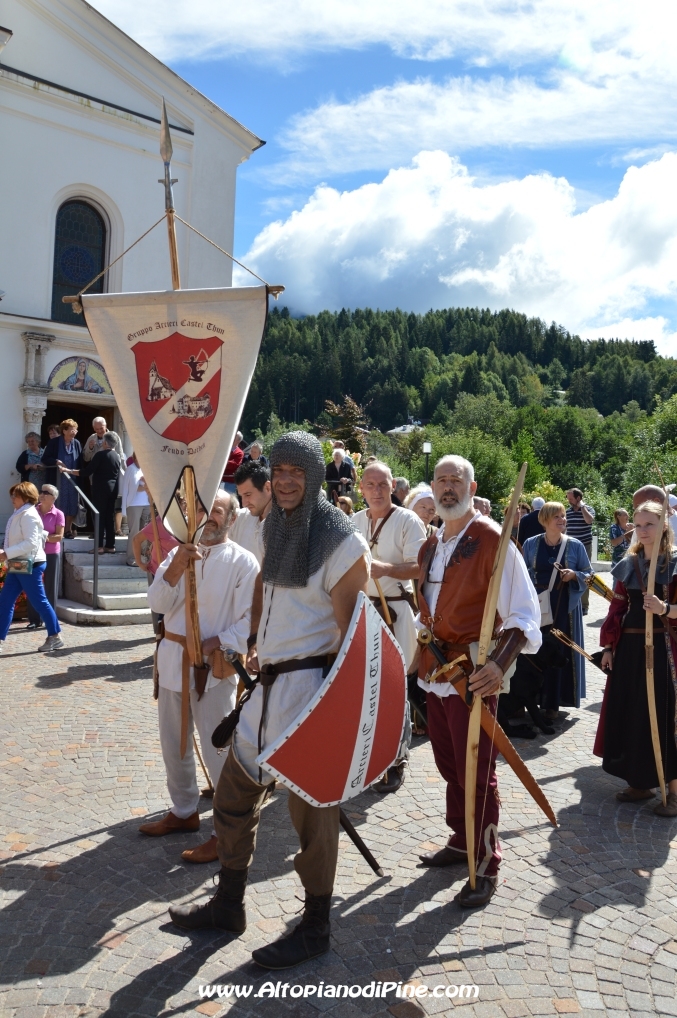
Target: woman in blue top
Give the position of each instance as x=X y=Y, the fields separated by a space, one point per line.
x=561 y=685
x=68 y=451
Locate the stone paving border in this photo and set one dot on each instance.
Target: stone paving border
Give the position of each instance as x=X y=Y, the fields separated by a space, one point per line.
x=584 y=921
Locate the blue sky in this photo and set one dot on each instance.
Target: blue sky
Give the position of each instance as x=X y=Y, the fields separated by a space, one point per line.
x=503 y=153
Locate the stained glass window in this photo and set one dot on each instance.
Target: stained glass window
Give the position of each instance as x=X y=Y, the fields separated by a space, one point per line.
x=79 y=252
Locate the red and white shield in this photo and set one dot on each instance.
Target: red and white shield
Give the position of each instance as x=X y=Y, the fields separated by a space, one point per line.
x=351 y=730
x=179 y=384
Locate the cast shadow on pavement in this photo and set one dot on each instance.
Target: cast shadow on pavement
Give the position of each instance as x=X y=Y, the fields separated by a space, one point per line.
x=123 y=672
x=599 y=846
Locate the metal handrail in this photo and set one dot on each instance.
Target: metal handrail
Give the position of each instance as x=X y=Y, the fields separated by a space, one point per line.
x=95 y=516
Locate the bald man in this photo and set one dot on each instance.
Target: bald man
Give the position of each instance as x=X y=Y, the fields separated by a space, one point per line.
x=649 y=493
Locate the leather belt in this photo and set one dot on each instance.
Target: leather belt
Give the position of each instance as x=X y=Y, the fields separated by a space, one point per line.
x=641 y=632
x=270 y=672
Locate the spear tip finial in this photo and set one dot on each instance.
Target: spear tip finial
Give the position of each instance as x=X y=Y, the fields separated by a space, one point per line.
x=166 y=149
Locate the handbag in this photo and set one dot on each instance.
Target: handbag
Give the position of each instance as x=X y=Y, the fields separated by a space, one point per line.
x=22 y=566
x=544 y=596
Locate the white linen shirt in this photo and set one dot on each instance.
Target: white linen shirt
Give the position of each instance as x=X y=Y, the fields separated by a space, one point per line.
x=130 y=488
x=399 y=541
x=517 y=602
x=247 y=531
x=25 y=535
x=225 y=589
x=300 y=621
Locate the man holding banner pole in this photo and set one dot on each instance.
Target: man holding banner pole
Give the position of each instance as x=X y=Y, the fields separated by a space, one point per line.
x=314 y=568
x=456 y=569
x=225 y=575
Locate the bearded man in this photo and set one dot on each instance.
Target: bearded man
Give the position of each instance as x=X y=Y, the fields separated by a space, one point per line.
x=225 y=574
x=455 y=567
x=314 y=567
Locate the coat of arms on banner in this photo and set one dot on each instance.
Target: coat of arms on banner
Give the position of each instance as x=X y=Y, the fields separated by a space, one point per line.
x=179 y=383
x=350 y=732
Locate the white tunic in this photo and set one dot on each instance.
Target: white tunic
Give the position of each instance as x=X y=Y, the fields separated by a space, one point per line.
x=247 y=531
x=225 y=589
x=399 y=540
x=296 y=622
x=517 y=602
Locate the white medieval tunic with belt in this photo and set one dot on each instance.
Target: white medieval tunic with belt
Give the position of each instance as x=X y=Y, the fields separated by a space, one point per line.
x=247 y=531
x=517 y=602
x=296 y=622
x=225 y=588
x=398 y=540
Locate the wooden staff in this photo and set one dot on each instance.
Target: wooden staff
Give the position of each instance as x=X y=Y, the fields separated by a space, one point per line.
x=384 y=604
x=193 y=638
x=486 y=633
x=648 y=651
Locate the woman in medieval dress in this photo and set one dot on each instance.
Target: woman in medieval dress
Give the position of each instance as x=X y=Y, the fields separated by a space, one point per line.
x=624 y=733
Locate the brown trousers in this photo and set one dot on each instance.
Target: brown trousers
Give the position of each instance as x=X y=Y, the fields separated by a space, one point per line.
x=237 y=809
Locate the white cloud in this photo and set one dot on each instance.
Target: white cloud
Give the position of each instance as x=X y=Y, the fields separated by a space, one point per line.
x=578 y=33
x=429 y=235
x=389 y=125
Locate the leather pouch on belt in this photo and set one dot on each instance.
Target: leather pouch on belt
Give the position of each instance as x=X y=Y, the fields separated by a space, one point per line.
x=201 y=673
x=221 y=668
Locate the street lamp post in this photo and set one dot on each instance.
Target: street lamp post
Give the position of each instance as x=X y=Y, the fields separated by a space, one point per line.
x=427 y=449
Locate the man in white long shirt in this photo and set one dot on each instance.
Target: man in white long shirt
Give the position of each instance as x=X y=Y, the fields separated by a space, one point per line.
x=252 y=480
x=395 y=536
x=456 y=565
x=225 y=575
x=313 y=569
x=135 y=505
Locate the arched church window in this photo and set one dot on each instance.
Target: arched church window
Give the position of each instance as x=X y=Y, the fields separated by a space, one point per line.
x=79 y=253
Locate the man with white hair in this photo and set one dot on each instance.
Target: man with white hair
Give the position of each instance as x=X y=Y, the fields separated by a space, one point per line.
x=529 y=525
x=94 y=443
x=455 y=567
x=395 y=537
x=225 y=574
x=401 y=488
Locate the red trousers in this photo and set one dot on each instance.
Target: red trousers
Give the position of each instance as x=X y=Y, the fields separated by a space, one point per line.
x=448 y=730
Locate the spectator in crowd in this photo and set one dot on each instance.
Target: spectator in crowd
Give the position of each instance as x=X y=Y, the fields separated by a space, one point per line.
x=158 y=543
x=23 y=550
x=421 y=501
x=515 y=523
x=67 y=451
x=340 y=444
x=135 y=505
x=53 y=431
x=234 y=461
x=620 y=534
x=559 y=564
x=400 y=491
x=29 y=464
x=53 y=522
x=104 y=469
x=339 y=476
x=482 y=505
x=255 y=455
x=94 y=443
x=579 y=525
x=672 y=516
x=648 y=493
x=254 y=492
x=529 y=524
x=346 y=505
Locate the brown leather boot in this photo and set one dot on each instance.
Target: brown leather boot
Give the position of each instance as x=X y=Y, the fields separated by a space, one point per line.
x=170 y=824
x=225 y=911
x=202 y=853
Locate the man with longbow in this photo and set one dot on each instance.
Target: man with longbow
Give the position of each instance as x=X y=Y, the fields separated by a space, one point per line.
x=466 y=566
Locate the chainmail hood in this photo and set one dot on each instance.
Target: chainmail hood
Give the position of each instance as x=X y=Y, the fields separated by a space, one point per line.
x=296 y=546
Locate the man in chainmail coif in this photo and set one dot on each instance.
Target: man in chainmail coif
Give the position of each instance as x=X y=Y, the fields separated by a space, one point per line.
x=314 y=567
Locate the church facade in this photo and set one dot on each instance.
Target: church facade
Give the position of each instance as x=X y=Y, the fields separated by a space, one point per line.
x=80 y=125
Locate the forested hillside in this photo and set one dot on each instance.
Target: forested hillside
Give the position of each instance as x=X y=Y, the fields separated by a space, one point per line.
x=399 y=365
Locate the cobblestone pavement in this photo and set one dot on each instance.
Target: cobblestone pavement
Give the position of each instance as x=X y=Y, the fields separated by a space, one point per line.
x=583 y=922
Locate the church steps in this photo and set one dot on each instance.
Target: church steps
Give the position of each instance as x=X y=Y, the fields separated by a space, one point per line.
x=122 y=589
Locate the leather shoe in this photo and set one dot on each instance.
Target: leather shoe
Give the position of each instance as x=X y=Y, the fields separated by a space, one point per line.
x=170 y=824
x=224 y=911
x=309 y=939
x=481 y=895
x=444 y=857
x=202 y=853
x=394 y=778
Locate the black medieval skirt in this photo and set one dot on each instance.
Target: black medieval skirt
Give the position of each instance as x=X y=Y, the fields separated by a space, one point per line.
x=628 y=749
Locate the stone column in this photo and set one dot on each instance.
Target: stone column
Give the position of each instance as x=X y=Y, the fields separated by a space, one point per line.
x=35 y=389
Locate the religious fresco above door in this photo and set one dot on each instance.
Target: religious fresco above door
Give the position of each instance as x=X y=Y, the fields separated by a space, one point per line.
x=80 y=374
